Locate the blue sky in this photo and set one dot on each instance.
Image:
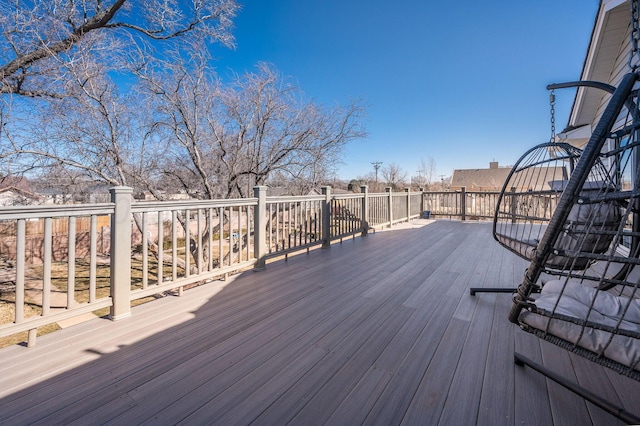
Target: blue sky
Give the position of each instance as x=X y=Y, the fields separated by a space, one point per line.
x=463 y=82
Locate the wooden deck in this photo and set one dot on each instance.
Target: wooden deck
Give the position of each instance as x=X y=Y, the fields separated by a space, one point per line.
x=376 y=330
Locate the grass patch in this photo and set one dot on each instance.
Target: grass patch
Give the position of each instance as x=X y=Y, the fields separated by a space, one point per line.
x=81 y=287
x=81 y=291
x=7 y=315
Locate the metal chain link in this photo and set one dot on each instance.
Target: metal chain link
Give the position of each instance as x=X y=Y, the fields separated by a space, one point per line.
x=552 y=104
x=634 y=35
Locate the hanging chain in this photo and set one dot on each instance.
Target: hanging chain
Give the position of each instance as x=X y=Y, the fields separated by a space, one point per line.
x=634 y=35
x=552 y=104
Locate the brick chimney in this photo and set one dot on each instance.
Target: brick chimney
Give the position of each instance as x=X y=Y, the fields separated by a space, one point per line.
x=493 y=165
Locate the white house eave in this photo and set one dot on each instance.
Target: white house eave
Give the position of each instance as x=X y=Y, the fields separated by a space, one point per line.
x=598 y=34
x=576 y=137
x=609 y=29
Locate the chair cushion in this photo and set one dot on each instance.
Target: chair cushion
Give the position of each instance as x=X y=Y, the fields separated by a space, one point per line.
x=574 y=300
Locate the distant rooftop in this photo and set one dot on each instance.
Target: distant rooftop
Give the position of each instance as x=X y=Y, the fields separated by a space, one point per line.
x=491 y=179
x=17 y=184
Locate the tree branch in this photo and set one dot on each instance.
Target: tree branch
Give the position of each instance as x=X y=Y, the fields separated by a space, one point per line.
x=21 y=62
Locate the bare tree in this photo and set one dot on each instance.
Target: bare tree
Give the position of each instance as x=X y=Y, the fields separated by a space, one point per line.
x=182 y=95
x=230 y=138
x=58 y=102
x=426 y=173
x=222 y=140
x=270 y=127
x=41 y=39
x=59 y=61
x=430 y=171
x=394 y=175
x=233 y=137
x=92 y=130
x=64 y=184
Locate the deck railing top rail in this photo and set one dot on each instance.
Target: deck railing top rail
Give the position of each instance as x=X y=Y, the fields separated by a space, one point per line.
x=348 y=196
x=148 y=206
x=294 y=198
x=57 y=210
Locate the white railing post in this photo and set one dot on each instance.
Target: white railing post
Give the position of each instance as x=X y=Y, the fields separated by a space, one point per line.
x=21 y=244
x=121 y=253
x=388 y=190
x=259 y=227
x=364 y=189
x=326 y=217
x=408 y=192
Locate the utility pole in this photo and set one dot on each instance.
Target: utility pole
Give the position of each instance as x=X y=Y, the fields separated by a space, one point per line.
x=376 y=166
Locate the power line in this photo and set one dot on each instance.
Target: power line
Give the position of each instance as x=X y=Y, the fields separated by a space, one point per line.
x=376 y=166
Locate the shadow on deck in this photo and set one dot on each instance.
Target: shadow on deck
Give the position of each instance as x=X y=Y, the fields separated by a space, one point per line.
x=376 y=330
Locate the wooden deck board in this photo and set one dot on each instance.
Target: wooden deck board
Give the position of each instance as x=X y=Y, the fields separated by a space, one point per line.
x=133 y=369
x=376 y=330
x=531 y=393
x=281 y=331
x=428 y=401
x=597 y=381
x=565 y=406
x=494 y=408
x=321 y=406
x=392 y=405
x=467 y=380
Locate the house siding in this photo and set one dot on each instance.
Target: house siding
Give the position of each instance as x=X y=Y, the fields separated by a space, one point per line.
x=617 y=24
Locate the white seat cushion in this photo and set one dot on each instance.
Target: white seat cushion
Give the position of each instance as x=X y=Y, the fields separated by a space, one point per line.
x=572 y=299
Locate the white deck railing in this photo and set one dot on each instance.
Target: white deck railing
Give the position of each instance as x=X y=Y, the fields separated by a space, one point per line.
x=63 y=261
x=482 y=204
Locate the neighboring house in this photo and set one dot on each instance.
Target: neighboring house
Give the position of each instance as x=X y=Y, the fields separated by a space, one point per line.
x=70 y=192
x=16 y=191
x=606 y=61
x=493 y=179
x=480 y=180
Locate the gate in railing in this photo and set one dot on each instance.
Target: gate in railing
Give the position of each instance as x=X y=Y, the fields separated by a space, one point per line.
x=62 y=261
